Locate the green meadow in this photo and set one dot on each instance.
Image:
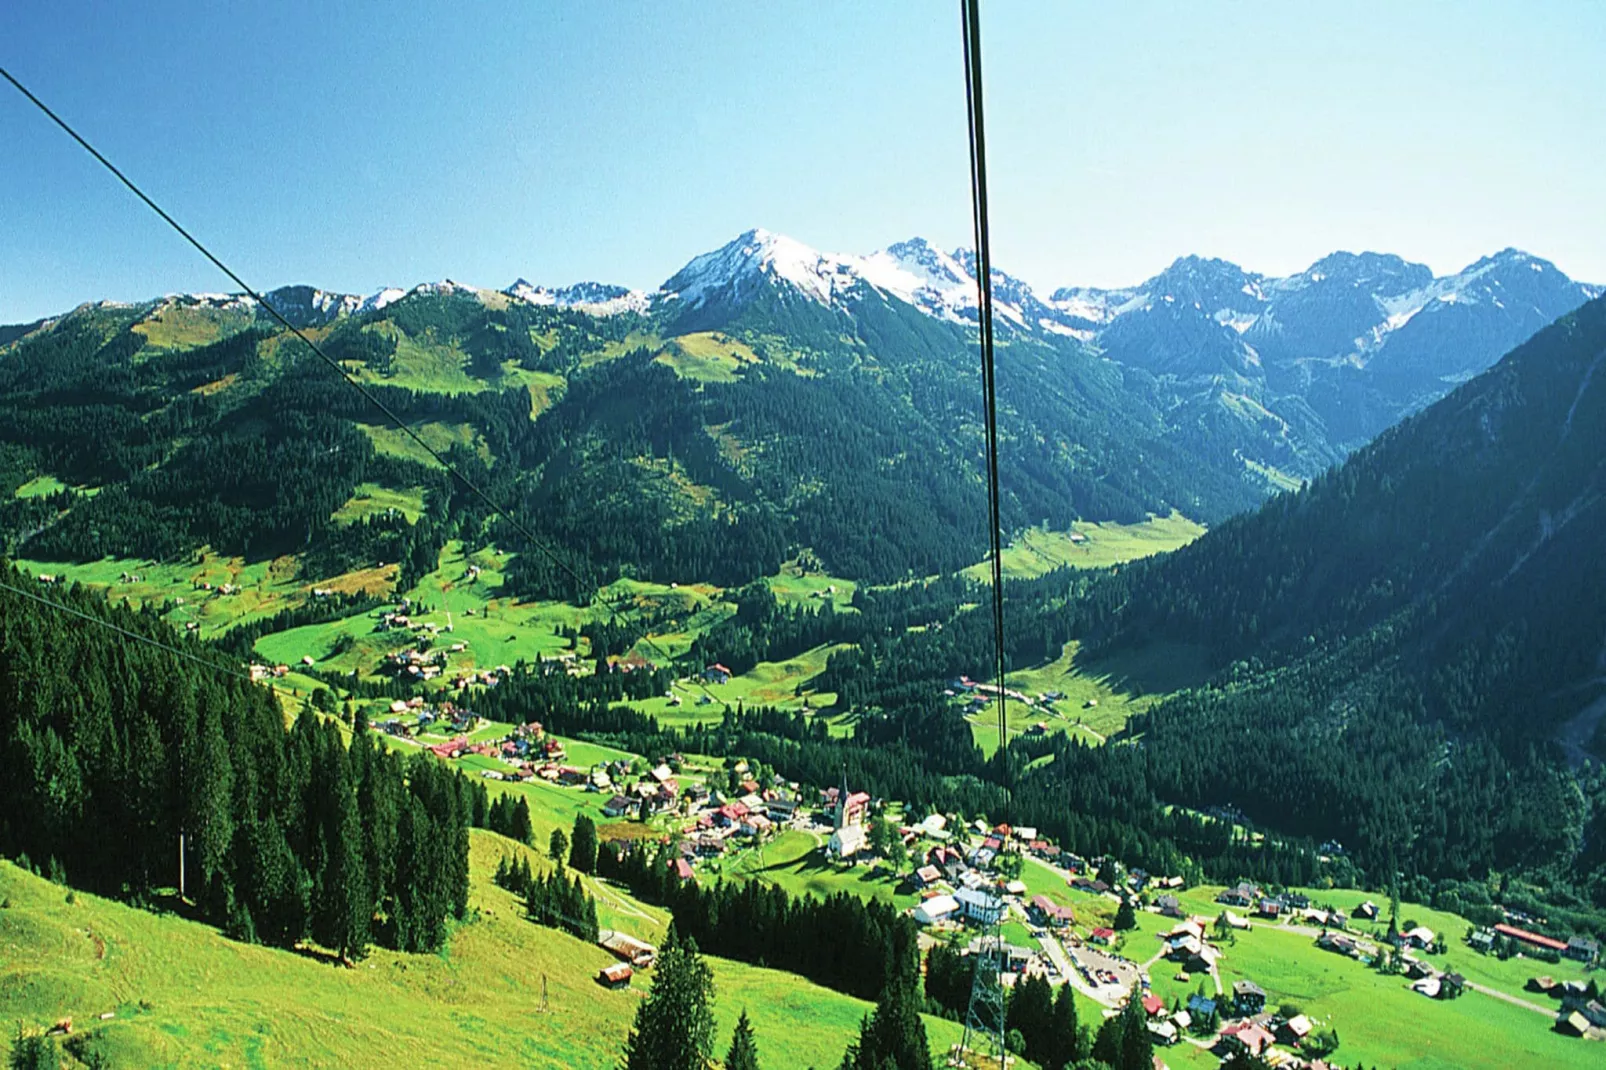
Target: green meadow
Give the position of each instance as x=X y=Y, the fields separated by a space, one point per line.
x=179 y=994
x=1036 y=551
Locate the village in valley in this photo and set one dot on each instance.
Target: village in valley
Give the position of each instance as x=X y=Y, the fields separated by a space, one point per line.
x=1209 y=965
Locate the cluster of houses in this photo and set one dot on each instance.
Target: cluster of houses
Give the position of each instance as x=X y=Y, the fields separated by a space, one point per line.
x=264 y=672
x=1249 y=1029
x=1582 y=1012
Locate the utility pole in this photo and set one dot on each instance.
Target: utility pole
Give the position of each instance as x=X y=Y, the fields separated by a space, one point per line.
x=181 y=866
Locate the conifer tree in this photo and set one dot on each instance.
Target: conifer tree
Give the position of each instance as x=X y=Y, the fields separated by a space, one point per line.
x=583 y=849
x=743 y=1054
x=523 y=828
x=558 y=846
x=1067 y=1044
x=893 y=1037
x=674 y=1026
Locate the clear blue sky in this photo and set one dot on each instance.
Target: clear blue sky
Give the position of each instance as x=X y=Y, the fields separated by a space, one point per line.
x=397 y=143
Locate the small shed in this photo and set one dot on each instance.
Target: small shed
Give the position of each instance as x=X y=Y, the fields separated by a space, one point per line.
x=616 y=976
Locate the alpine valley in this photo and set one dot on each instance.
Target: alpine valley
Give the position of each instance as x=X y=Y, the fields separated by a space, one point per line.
x=1302 y=611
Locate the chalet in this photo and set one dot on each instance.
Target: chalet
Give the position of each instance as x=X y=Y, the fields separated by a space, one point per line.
x=1101 y=936
x=1153 y=1005
x=1163 y=1033
x=1243 y=895
x=717 y=674
x=1532 y=939
x=937 y=908
x=681 y=868
x=1270 y=908
x=1201 y=1006
x=926 y=876
x=1296 y=900
x=1420 y=937
x=1047 y=912
x=781 y=809
x=1593 y=1010
x=571 y=776
x=1331 y=941
x=1572 y=1023
x=1583 y=949
x=979 y=906
x=934 y=826
x=1451 y=985
x=618 y=806
x=1170 y=906
x=1367 y=910
x=1295 y=1030
x=1427 y=986
x=616 y=976
x=1245 y=1037
x=1248 y=998
x=1543 y=985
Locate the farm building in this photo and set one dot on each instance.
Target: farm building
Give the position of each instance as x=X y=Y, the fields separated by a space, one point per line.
x=624 y=946
x=1532 y=939
x=616 y=976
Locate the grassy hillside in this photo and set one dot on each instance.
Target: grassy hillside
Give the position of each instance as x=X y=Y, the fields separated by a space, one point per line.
x=182 y=995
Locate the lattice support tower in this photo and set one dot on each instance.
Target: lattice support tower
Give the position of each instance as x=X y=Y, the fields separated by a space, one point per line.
x=983 y=1045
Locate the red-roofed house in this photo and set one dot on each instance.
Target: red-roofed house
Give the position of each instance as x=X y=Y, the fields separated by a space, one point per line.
x=682 y=869
x=1101 y=936
x=717 y=674
x=1153 y=1004
x=1050 y=913
x=1251 y=1037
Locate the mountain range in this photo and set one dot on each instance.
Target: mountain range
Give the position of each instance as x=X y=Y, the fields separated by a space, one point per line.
x=1328 y=357
x=767 y=397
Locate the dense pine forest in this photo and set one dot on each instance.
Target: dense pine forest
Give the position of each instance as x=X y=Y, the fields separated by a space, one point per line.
x=116 y=749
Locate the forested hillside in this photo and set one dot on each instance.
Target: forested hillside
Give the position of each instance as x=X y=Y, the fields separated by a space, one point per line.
x=1398 y=646
x=115 y=749
x=152 y=430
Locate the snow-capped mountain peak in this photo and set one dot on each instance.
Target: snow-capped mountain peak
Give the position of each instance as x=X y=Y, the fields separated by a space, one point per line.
x=595 y=298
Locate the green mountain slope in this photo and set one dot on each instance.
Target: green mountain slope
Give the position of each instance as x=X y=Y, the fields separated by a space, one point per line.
x=181 y=994
x=1406 y=639
x=652 y=443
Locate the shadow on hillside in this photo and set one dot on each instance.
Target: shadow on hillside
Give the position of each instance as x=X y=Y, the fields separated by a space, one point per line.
x=1154 y=669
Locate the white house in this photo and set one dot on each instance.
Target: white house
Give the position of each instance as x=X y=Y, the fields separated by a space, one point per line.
x=979 y=906
x=937 y=908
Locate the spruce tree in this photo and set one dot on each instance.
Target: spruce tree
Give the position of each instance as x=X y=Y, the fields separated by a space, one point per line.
x=1067 y=1044
x=894 y=1036
x=674 y=1026
x=523 y=828
x=583 y=849
x=743 y=1054
x=1125 y=916
x=558 y=846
